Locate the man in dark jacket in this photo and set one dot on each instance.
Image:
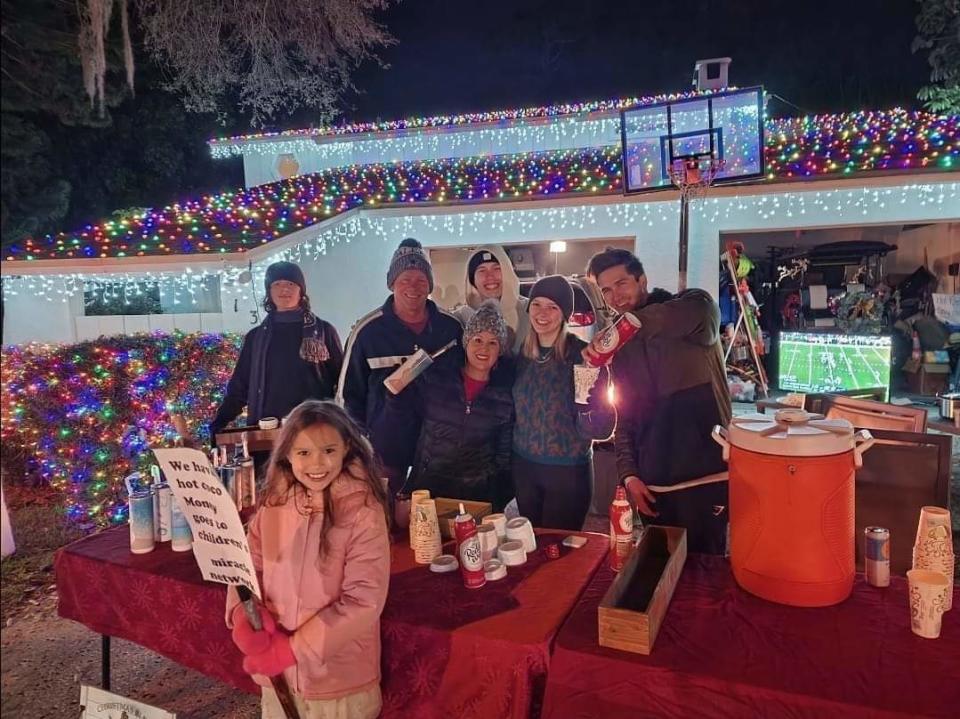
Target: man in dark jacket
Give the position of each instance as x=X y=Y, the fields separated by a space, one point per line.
x=291 y=356
x=385 y=338
x=671 y=390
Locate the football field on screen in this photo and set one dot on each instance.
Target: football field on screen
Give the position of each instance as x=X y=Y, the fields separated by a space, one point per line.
x=812 y=367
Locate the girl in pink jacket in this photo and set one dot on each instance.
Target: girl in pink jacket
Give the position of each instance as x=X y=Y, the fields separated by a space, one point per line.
x=320 y=545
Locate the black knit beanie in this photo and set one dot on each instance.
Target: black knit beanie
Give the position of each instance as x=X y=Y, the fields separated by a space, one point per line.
x=477 y=259
x=557 y=289
x=285 y=271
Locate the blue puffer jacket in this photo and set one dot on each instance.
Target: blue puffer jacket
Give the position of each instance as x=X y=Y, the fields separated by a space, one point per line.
x=377 y=345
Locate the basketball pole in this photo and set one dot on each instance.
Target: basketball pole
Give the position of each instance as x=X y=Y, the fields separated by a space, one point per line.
x=684 y=241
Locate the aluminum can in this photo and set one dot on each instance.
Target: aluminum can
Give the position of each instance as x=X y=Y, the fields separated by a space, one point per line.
x=162 y=501
x=876 y=556
x=231 y=479
x=247 y=496
x=140 y=507
x=613 y=337
x=181 y=538
x=469 y=551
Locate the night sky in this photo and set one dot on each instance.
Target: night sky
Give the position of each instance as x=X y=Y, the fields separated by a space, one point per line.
x=455 y=56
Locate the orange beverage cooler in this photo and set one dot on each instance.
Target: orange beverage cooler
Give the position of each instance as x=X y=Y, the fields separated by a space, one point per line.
x=792 y=505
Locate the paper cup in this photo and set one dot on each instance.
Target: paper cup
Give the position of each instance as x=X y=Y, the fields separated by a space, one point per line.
x=520 y=530
x=488 y=541
x=499 y=522
x=928 y=592
x=584 y=377
x=934 y=525
x=936 y=557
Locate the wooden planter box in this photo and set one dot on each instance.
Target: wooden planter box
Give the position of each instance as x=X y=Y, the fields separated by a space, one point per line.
x=448 y=509
x=632 y=610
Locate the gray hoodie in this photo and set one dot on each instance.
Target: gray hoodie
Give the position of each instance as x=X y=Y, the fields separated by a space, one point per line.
x=513 y=306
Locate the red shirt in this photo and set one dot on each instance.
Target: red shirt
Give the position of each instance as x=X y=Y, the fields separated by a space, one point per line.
x=472 y=387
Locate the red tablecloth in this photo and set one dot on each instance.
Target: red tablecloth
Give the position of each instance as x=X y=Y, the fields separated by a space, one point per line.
x=722 y=652
x=447 y=651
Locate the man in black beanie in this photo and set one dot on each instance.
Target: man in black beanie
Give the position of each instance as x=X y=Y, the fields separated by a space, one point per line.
x=490 y=276
x=385 y=338
x=291 y=356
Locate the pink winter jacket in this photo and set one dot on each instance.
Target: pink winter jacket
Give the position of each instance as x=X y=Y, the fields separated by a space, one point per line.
x=331 y=605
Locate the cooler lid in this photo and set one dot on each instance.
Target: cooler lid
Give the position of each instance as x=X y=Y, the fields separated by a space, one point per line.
x=791 y=433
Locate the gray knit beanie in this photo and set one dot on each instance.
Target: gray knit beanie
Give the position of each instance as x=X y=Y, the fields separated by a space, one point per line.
x=487 y=318
x=409 y=256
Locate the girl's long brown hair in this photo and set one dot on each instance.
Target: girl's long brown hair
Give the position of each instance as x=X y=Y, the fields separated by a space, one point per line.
x=359 y=461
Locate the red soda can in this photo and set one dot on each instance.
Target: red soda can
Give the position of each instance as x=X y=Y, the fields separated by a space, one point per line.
x=613 y=337
x=469 y=550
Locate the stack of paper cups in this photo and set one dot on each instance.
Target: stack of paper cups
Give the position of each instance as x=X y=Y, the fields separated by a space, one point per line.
x=499 y=522
x=415 y=497
x=426 y=532
x=933 y=549
x=520 y=530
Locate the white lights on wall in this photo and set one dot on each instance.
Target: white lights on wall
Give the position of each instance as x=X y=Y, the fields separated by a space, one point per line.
x=913 y=202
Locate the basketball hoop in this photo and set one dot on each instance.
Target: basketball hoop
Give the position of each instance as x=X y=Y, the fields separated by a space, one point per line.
x=693 y=175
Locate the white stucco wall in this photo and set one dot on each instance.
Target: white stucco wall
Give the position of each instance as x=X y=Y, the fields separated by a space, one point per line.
x=345 y=266
x=261 y=159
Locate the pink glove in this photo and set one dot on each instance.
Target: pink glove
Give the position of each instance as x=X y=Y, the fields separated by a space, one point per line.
x=249 y=639
x=274 y=660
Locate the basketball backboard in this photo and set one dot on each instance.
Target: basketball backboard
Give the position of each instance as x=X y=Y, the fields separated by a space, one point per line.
x=726 y=126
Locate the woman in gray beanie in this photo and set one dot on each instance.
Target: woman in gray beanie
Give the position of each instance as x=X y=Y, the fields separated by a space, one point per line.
x=466 y=414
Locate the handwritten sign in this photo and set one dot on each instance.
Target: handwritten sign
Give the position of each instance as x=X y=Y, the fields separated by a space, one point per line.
x=99 y=704
x=946 y=308
x=219 y=542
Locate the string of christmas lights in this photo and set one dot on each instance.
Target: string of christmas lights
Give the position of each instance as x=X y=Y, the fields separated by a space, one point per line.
x=81 y=417
x=226 y=146
x=238 y=221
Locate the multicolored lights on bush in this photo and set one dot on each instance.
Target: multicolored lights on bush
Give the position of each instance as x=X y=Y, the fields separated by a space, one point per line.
x=799 y=148
x=82 y=417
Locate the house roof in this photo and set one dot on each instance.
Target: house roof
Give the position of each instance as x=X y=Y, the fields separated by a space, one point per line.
x=226 y=146
x=803 y=148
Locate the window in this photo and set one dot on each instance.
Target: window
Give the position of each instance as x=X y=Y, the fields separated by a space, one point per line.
x=152 y=298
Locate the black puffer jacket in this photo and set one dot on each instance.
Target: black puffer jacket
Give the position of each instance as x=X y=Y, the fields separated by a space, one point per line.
x=463 y=451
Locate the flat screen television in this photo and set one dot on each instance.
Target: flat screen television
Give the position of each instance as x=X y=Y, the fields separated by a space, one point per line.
x=826 y=362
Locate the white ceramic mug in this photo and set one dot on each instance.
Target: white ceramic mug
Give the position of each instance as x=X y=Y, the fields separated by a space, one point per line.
x=519 y=529
x=499 y=522
x=584 y=377
x=488 y=541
